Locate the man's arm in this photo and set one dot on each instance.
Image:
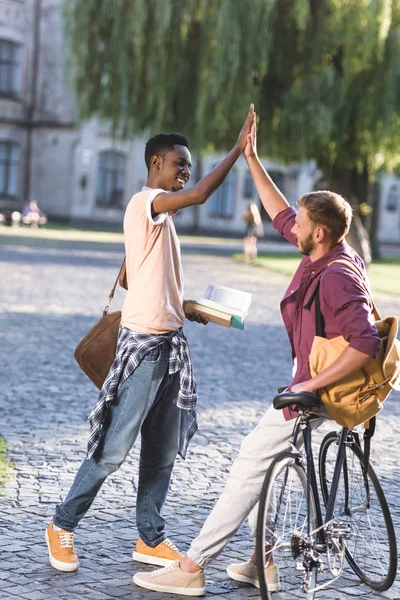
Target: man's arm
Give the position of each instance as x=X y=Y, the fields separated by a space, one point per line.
x=272 y=198
x=347 y=304
x=349 y=362
x=205 y=187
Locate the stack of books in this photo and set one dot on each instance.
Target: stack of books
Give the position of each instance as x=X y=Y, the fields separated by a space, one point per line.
x=221 y=305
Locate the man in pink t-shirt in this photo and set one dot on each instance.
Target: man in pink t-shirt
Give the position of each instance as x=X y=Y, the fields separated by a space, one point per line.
x=150 y=388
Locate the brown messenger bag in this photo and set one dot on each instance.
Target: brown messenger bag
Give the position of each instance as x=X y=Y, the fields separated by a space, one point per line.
x=95 y=353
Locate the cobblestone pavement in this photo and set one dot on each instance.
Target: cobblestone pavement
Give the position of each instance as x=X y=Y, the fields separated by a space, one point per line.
x=52 y=292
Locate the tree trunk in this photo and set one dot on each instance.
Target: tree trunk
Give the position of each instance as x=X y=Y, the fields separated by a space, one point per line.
x=373 y=232
x=357 y=189
x=196 y=207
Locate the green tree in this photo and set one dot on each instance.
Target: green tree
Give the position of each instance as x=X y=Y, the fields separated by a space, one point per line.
x=323 y=74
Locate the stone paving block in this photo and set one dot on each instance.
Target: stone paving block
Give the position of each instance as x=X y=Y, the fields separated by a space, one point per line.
x=72 y=596
x=96 y=595
x=133 y=589
x=115 y=592
x=20 y=579
x=14 y=590
x=392 y=594
x=38 y=595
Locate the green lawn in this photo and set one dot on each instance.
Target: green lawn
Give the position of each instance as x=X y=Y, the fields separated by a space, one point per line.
x=384 y=274
x=68 y=227
x=4 y=463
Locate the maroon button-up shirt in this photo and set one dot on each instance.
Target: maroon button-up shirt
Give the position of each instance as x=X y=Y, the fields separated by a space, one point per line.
x=345 y=300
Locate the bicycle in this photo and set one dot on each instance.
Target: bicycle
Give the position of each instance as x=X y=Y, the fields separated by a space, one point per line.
x=291 y=531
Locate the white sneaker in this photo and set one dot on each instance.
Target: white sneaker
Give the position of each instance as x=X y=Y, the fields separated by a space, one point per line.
x=172 y=580
x=247 y=573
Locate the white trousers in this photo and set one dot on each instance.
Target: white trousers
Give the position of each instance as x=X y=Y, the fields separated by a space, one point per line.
x=243 y=487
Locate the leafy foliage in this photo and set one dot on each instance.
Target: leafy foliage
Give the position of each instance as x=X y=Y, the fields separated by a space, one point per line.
x=323 y=74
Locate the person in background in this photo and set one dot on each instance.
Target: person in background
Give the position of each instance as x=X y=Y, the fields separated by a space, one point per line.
x=32 y=215
x=254 y=229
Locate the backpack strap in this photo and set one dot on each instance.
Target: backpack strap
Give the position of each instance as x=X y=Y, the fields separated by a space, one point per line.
x=319 y=328
x=368 y=434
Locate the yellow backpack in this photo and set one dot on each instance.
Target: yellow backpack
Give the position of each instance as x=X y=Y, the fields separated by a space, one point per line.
x=356 y=399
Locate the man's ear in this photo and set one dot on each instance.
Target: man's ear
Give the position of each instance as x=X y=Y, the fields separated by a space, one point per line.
x=155 y=162
x=320 y=234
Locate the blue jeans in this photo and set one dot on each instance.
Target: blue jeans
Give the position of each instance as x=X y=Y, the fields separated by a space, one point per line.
x=145 y=403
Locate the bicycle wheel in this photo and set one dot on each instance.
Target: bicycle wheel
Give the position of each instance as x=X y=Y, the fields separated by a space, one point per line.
x=371 y=544
x=282 y=528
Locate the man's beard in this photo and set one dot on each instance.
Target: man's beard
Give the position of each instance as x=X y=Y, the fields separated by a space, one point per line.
x=307 y=246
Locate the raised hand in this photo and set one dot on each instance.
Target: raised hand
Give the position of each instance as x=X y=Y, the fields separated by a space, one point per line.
x=246 y=129
x=250 y=150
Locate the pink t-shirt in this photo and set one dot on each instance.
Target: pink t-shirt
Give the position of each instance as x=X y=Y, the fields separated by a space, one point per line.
x=154 y=301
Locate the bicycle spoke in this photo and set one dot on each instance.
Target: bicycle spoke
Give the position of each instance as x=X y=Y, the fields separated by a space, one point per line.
x=284 y=521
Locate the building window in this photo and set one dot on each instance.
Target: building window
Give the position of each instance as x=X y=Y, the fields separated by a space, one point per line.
x=111 y=179
x=392 y=199
x=221 y=202
x=8 y=169
x=10 y=68
x=249 y=189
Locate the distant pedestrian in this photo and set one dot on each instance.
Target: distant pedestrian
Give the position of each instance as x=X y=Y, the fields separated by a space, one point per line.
x=150 y=389
x=254 y=230
x=32 y=215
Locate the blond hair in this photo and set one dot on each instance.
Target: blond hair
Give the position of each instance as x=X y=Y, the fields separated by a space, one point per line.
x=329 y=210
x=255 y=213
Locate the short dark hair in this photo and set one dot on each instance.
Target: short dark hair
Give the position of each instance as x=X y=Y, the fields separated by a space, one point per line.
x=329 y=210
x=160 y=144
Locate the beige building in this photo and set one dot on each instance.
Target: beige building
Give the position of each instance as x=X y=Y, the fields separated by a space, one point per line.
x=78 y=172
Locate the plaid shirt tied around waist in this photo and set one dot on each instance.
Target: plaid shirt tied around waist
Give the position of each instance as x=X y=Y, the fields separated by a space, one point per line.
x=131 y=349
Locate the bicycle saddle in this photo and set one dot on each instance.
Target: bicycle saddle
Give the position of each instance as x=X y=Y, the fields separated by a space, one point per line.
x=298 y=399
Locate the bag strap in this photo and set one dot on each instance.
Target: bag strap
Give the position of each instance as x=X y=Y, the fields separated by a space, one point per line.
x=368 y=434
x=319 y=329
x=111 y=296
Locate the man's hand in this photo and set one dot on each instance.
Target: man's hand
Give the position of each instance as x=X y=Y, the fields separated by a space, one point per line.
x=197 y=317
x=305 y=386
x=250 y=150
x=246 y=129
x=192 y=315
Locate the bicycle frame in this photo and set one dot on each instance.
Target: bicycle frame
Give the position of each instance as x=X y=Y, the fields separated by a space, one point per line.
x=303 y=423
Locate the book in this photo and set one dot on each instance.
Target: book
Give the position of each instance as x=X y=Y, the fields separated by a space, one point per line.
x=221 y=305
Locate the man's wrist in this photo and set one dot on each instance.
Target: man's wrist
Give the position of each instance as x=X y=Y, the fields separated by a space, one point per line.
x=252 y=158
x=236 y=151
x=312 y=386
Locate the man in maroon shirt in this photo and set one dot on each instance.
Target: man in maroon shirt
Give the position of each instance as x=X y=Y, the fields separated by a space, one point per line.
x=318 y=230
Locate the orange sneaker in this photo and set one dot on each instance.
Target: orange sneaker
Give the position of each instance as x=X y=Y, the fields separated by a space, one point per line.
x=61 y=549
x=163 y=554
